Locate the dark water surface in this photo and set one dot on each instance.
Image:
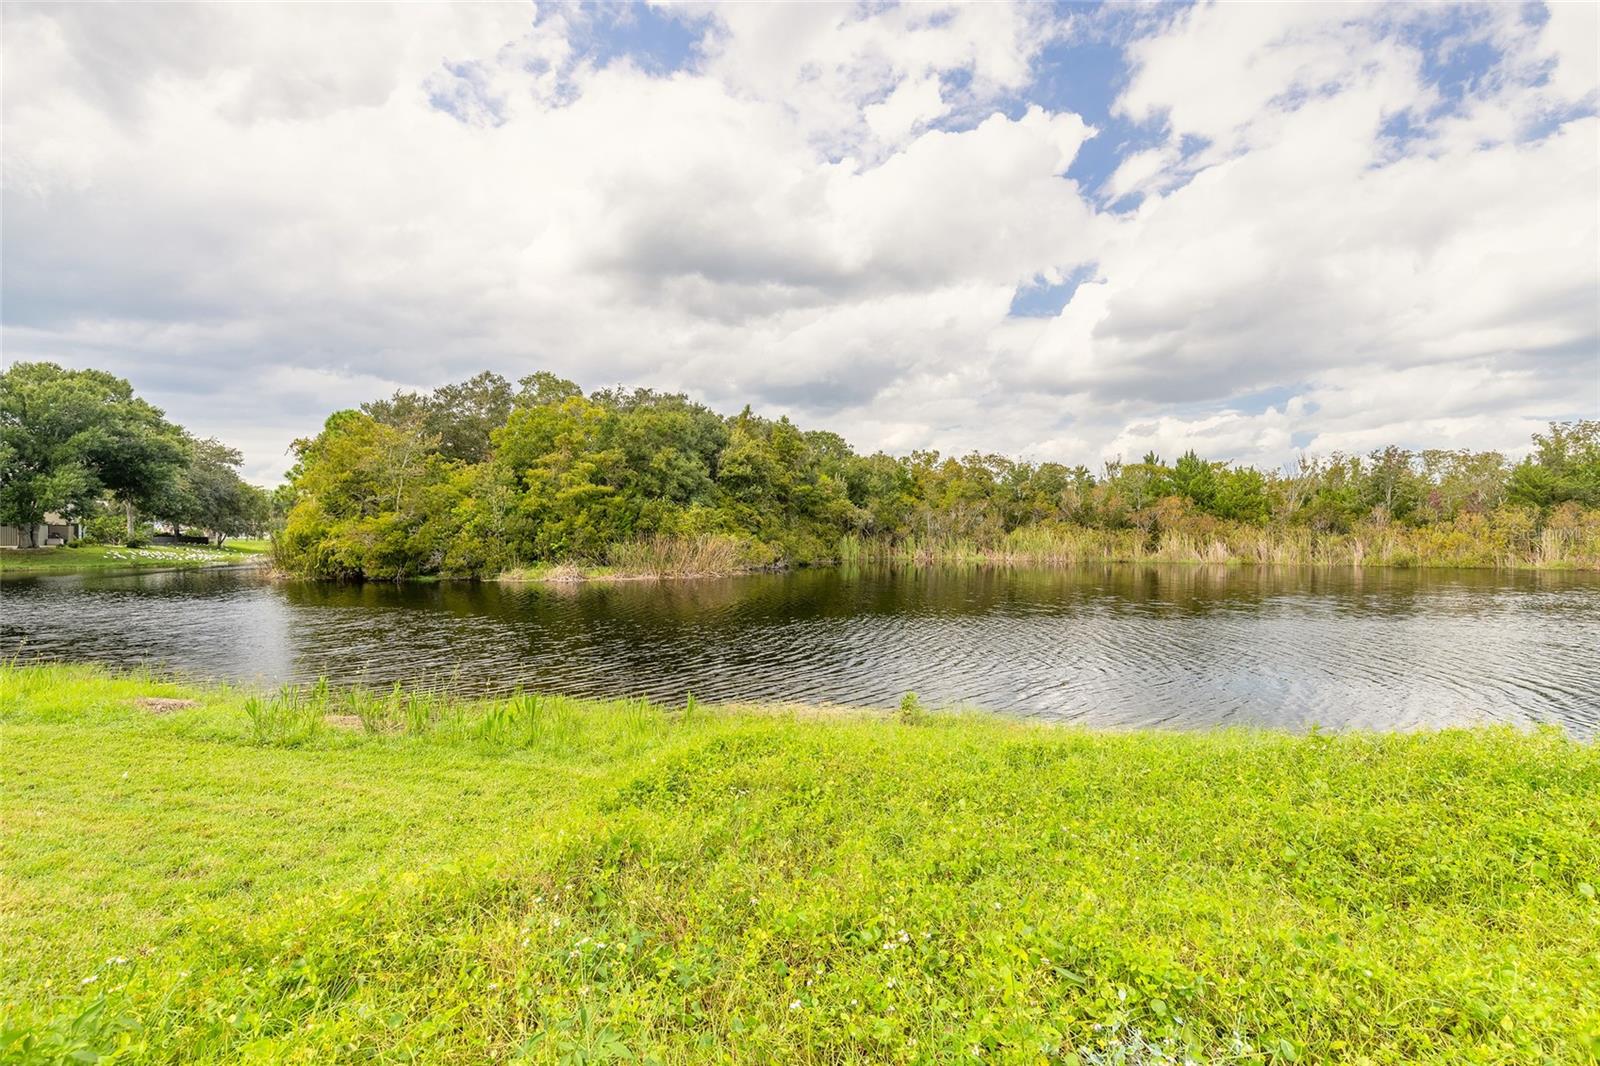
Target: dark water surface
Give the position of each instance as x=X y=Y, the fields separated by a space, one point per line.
x=1104 y=645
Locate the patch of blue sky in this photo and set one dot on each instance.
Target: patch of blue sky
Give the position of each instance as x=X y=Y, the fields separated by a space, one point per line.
x=658 y=40
x=1041 y=299
x=1262 y=400
x=1272 y=398
x=1457 y=55
x=1552 y=120
x=954 y=82
x=1460 y=60
x=1084 y=70
x=1081 y=69
x=463 y=93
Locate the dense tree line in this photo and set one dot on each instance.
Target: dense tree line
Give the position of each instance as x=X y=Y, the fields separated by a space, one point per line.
x=488 y=475
x=81 y=444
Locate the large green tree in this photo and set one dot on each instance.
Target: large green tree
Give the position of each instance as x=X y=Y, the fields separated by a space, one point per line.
x=67 y=436
x=208 y=493
x=369 y=499
x=1565 y=465
x=460 y=418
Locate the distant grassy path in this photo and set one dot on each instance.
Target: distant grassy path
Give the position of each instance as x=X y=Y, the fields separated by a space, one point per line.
x=92 y=557
x=554 y=881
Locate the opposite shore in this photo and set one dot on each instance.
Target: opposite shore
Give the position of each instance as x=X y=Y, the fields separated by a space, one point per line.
x=116 y=557
x=713 y=556
x=706 y=558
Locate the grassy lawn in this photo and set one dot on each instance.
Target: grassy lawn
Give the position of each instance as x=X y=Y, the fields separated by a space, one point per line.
x=544 y=880
x=118 y=557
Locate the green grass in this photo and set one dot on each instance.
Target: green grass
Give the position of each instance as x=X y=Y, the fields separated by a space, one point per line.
x=118 y=557
x=549 y=880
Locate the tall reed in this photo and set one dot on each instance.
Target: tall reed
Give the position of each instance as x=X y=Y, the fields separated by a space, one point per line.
x=1569 y=538
x=668 y=556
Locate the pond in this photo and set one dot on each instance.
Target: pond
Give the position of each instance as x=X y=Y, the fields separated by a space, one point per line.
x=1174 y=646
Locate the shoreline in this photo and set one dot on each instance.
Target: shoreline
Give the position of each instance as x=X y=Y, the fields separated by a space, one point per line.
x=565 y=574
x=344 y=700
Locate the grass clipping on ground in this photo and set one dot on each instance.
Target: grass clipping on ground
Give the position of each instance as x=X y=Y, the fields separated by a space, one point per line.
x=546 y=880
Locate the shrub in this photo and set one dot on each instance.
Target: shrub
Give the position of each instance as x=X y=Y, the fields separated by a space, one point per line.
x=910 y=711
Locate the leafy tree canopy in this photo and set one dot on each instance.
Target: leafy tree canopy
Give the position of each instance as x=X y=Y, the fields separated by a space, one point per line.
x=484 y=475
x=67 y=436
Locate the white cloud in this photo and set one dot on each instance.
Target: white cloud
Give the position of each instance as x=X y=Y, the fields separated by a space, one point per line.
x=1572 y=36
x=827 y=63
x=1308 y=250
x=1139 y=170
x=912 y=104
x=260 y=213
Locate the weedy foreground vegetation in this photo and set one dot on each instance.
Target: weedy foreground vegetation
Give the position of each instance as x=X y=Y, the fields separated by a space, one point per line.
x=327 y=876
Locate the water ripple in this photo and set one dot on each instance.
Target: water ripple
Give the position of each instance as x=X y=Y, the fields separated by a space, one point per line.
x=1183 y=647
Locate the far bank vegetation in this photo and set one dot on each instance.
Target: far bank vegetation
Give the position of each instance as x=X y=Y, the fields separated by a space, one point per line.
x=487 y=477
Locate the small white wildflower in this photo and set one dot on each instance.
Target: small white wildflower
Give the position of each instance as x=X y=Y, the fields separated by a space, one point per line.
x=91 y=979
x=889 y=983
x=795 y=1005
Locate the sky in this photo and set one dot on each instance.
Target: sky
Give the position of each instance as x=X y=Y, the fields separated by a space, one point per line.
x=1065 y=233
